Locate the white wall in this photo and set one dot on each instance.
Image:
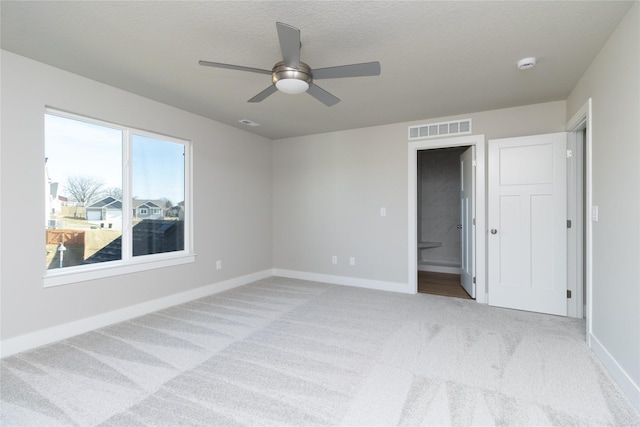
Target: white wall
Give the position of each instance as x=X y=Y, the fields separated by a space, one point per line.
x=231 y=185
x=328 y=190
x=613 y=82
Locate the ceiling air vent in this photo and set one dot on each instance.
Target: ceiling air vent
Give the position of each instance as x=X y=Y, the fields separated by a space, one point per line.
x=248 y=122
x=432 y=130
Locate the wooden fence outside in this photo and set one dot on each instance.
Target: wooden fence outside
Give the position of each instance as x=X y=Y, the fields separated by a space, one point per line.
x=67 y=237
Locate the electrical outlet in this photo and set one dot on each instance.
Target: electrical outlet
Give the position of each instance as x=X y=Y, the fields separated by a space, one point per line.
x=383 y=211
x=334 y=259
x=218 y=265
x=352 y=261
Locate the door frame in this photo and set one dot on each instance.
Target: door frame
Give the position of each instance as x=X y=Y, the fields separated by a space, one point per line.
x=480 y=205
x=581 y=121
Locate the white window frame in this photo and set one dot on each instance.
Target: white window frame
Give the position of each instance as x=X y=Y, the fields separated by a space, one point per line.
x=130 y=264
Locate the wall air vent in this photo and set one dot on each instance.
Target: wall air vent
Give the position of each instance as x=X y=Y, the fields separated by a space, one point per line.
x=432 y=130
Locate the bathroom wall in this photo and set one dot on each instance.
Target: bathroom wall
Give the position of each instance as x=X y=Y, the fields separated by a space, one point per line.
x=439 y=206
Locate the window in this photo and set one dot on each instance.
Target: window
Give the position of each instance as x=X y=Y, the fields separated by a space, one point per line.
x=116 y=197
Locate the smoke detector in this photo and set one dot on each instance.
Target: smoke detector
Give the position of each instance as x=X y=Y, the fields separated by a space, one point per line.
x=526 y=63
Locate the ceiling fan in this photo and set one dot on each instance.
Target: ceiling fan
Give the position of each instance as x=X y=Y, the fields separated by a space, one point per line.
x=294 y=76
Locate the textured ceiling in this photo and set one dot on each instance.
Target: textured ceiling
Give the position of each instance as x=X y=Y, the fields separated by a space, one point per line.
x=437 y=58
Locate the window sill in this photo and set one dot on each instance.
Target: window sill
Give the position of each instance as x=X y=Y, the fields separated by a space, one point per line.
x=69 y=275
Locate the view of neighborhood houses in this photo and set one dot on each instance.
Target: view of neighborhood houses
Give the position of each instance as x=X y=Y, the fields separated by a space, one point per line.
x=84 y=197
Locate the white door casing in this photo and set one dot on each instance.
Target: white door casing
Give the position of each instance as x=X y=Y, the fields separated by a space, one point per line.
x=478 y=141
x=581 y=121
x=467 y=214
x=527 y=241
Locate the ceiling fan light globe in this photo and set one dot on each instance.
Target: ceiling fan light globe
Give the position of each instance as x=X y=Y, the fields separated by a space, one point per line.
x=292 y=86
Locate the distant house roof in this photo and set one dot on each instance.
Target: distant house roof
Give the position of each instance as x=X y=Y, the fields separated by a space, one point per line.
x=109 y=202
x=150 y=236
x=115 y=205
x=148 y=203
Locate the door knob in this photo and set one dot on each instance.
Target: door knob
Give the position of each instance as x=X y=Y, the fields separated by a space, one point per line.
x=494 y=231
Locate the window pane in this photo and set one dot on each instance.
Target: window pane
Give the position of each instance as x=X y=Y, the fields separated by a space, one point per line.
x=158 y=195
x=83 y=192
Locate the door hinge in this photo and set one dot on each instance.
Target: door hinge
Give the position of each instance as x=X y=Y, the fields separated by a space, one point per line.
x=473 y=221
x=474 y=279
x=569 y=154
x=474 y=163
x=568 y=293
x=568 y=223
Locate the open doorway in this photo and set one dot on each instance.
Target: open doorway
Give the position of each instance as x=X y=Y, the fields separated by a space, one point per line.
x=420 y=262
x=579 y=127
x=444 y=205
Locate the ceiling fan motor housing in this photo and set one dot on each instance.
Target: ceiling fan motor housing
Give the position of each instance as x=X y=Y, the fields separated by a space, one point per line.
x=283 y=72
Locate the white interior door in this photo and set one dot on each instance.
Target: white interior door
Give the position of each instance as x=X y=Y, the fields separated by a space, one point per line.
x=527 y=223
x=467 y=214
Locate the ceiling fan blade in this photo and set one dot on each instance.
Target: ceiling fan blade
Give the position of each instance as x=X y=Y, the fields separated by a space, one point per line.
x=262 y=95
x=322 y=95
x=234 y=67
x=289 y=44
x=353 y=70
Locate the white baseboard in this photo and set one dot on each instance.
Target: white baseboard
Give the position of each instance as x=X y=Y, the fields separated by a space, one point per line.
x=626 y=383
x=47 y=336
x=346 y=281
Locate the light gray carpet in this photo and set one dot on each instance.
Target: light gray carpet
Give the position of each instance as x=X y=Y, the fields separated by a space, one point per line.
x=286 y=352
